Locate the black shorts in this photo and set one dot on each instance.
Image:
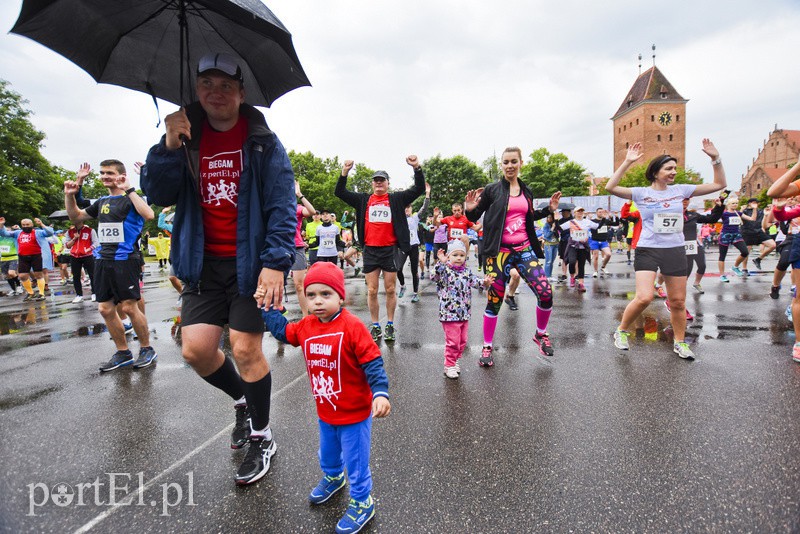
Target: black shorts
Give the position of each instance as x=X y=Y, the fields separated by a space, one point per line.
x=382 y=258
x=218 y=301
x=63 y=259
x=329 y=259
x=28 y=263
x=117 y=280
x=670 y=261
x=755 y=239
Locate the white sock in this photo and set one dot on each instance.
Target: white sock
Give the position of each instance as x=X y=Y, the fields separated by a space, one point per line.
x=264 y=433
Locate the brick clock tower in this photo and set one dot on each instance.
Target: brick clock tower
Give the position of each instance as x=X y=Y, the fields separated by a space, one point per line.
x=654 y=114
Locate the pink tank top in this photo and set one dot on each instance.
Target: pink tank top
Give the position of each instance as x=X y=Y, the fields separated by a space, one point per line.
x=514 y=233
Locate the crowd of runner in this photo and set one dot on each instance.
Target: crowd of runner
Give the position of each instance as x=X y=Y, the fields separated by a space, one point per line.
x=235 y=233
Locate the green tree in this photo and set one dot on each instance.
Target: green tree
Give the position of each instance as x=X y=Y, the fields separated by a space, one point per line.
x=546 y=173
x=450 y=179
x=491 y=167
x=29 y=185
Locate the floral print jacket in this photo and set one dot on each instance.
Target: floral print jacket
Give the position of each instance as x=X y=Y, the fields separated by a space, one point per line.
x=453 y=285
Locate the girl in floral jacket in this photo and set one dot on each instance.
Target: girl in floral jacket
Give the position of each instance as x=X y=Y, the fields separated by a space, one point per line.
x=454 y=281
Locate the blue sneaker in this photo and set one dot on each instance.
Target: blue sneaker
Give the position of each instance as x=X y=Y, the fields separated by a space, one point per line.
x=788 y=312
x=147 y=357
x=326 y=488
x=357 y=515
x=724 y=278
x=119 y=359
x=128 y=327
x=737 y=271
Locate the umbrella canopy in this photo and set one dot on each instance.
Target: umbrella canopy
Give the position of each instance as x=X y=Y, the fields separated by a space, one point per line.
x=60 y=215
x=561 y=205
x=153 y=45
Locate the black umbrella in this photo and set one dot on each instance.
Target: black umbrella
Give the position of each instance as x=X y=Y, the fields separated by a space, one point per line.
x=153 y=45
x=561 y=205
x=60 y=215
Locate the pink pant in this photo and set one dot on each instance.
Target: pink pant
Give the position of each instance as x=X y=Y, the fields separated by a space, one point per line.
x=455 y=340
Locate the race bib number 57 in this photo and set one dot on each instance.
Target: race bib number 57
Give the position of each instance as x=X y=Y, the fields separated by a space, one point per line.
x=380 y=214
x=668 y=223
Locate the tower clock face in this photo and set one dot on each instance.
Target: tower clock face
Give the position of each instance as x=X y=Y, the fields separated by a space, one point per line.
x=665 y=118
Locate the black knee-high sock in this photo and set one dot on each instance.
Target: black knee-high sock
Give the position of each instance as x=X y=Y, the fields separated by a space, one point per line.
x=258 y=396
x=13 y=282
x=227 y=379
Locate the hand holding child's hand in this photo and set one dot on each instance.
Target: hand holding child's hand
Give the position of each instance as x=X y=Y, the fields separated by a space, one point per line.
x=488 y=280
x=381 y=407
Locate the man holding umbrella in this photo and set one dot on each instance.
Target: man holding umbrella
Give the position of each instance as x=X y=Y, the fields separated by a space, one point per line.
x=233 y=189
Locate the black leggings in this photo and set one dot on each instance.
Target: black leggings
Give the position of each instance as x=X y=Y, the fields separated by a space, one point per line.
x=87 y=264
x=413 y=253
x=723 y=250
x=699 y=258
x=577 y=256
x=783 y=260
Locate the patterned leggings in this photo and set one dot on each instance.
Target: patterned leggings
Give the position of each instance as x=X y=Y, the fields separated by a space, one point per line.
x=526 y=262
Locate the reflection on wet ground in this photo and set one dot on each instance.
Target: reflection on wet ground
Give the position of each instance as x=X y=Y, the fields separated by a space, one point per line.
x=12 y=401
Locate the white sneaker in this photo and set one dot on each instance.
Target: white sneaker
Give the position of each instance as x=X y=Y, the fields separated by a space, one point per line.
x=77 y=299
x=450 y=372
x=19 y=291
x=94 y=298
x=594 y=274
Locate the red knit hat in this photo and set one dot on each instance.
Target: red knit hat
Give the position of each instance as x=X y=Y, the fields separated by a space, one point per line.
x=323 y=272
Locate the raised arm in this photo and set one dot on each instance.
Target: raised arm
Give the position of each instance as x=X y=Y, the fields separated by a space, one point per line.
x=785 y=186
x=308 y=208
x=720 y=182
x=633 y=155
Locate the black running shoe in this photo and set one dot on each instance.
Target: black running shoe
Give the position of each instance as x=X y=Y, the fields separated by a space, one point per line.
x=119 y=359
x=757 y=261
x=147 y=357
x=512 y=303
x=256 y=461
x=774 y=293
x=241 y=429
x=486 y=359
x=389 y=333
x=376 y=332
x=29 y=297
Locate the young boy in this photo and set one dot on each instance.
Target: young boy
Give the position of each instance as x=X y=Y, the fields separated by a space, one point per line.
x=348 y=382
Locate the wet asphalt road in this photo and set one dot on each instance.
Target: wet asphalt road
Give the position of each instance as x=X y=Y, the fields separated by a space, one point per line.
x=594 y=441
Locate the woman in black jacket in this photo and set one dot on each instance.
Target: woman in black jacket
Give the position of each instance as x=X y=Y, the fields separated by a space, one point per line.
x=510 y=242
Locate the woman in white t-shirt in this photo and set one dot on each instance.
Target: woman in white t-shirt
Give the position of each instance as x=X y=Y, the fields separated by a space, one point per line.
x=661 y=243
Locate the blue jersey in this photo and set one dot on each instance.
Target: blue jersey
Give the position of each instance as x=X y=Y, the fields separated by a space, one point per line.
x=118 y=228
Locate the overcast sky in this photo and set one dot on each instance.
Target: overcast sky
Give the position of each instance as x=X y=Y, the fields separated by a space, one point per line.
x=465 y=77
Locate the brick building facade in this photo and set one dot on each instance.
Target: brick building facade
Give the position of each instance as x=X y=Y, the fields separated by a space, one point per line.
x=780 y=150
x=653 y=113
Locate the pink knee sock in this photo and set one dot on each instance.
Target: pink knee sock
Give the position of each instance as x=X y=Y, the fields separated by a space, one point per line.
x=489 y=324
x=542 y=318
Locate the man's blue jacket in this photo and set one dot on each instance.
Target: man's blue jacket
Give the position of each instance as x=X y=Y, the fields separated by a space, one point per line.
x=266 y=221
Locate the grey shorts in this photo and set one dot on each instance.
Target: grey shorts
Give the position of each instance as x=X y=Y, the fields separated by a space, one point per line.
x=300 y=263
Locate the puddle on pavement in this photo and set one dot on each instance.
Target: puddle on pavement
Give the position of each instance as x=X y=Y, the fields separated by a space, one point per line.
x=14 y=401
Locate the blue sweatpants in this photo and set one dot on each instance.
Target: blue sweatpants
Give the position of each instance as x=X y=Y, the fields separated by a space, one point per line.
x=347 y=446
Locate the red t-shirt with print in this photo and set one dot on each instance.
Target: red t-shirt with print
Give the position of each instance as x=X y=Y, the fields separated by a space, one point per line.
x=221 y=163
x=456 y=226
x=27 y=244
x=378 y=229
x=334 y=353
